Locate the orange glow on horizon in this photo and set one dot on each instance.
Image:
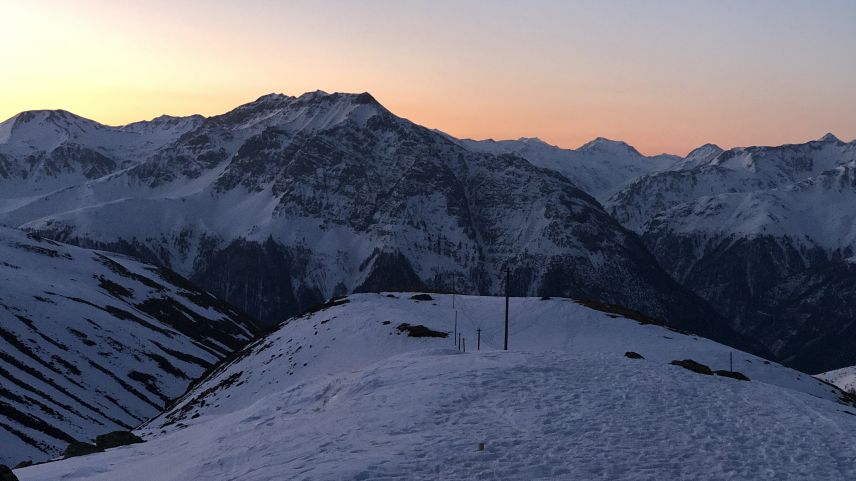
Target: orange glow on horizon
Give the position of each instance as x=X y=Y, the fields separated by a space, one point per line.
x=478 y=70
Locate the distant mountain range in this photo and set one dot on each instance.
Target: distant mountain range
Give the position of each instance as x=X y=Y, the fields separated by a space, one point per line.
x=286 y=201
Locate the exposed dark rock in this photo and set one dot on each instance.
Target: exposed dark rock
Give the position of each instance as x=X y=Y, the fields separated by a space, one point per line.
x=419 y=330
x=422 y=297
x=733 y=375
x=693 y=366
x=79 y=448
x=116 y=438
x=6 y=474
x=633 y=355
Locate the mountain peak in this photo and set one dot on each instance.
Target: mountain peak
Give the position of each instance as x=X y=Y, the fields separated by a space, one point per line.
x=829 y=137
x=604 y=145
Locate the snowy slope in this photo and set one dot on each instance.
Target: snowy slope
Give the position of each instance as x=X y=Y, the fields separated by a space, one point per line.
x=286 y=201
x=340 y=394
x=601 y=167
x=92 y=342
x=844 y=378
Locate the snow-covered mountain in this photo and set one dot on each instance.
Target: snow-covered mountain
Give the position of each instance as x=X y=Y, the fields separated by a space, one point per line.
x=767 y=234
x=844 y=378
x=345 y=393
x=93 y=342
x=287 y=201
x=601 y=167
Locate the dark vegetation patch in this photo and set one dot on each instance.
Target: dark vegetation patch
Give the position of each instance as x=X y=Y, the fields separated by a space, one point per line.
x=115 y=290
x=194 y=325
x=78 y=448
x=422 y=297
x=43 y=251
x=27 y=400
x=126 y=386
x=22 y=464
x=32 y=327
x=419 y=330
x=188 y=358
x=31 y=422
x=44 y=299
x=13 y=340
x=117 y=268
x=71 y=368
x=633 y=355
x=693 y=366
x=38 y=392
x=733 y=375
x=626 y=312
x=25 y=438
x=151 y=385
x=116 y=438
x=166 y=366
x=81 y=335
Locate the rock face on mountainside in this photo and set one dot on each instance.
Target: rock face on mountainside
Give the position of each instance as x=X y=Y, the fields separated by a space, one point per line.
x=766 y=234
x=286 y=201
x=92 y=343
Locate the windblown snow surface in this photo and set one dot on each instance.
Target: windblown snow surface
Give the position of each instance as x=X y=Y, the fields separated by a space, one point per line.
x=342 y=394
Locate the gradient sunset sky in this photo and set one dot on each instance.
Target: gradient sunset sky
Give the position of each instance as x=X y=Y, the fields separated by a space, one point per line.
x=665 y=76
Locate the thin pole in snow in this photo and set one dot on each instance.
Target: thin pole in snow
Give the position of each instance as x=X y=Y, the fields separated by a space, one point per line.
x=464 y=344
x=456 y=327
x=507 y=277
x=478 y=339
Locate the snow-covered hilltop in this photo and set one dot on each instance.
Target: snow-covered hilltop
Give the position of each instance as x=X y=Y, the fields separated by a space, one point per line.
x=287 y=201
x=92 y=342
x=345 y=393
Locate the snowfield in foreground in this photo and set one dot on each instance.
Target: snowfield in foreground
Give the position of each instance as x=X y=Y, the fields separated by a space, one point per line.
x=341 y=394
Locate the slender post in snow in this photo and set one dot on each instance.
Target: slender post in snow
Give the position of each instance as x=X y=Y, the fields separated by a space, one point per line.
x=507 y=277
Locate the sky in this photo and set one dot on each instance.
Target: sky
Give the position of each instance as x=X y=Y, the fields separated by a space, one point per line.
x=664 y=76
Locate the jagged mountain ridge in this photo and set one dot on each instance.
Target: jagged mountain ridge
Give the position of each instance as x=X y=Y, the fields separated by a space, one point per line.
x=766 y=233
x=286 y=201
x=600 y=167
x=92 y=342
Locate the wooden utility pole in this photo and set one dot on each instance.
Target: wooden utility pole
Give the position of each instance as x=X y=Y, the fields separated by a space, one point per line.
x=507 y=287
x=478 y=339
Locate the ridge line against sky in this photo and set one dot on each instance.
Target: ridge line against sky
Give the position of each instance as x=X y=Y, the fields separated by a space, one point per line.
x=661 y=75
